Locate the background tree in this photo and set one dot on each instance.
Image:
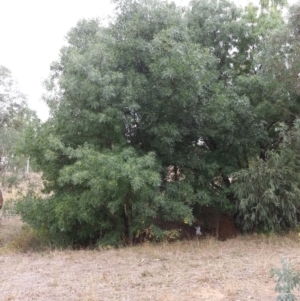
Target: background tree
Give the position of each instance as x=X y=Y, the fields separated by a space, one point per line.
x=14 y=117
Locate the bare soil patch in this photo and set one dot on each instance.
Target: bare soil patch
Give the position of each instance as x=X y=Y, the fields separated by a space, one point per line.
x=236 y=269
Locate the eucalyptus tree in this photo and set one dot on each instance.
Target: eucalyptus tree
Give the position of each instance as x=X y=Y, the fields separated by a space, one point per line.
x=14 y=117
x=272 y=4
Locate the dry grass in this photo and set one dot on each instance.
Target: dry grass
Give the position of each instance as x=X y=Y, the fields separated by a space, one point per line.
x=237 y=269
x=9 y=229
x=13 y=235
x=22 y=241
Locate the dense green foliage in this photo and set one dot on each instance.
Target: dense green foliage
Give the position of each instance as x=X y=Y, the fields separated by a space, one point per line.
x=164 y=111
x=269 y=189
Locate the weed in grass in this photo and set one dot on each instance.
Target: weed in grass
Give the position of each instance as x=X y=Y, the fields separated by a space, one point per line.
x=146 y=273
x=193 y=265
x=287 y=281
x=54 y=282
x=105 y=277
x=164 y=268
x=236 y=254
x=203 y=279
x=231 y=289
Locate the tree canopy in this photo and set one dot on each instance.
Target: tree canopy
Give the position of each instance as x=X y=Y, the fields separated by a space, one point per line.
x=14 y=117
x=164 y=111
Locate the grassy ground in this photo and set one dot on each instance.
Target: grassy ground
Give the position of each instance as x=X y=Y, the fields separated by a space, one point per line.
x=237 y=269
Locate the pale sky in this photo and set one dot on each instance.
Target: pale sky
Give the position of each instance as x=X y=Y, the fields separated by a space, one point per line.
x=32 y=33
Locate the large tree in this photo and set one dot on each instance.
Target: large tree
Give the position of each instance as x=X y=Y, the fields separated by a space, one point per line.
x=150 y=118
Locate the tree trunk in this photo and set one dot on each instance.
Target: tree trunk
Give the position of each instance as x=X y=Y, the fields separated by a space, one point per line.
x=1 y=200
x=128 y=221
x=218 y=217
x=218 y=226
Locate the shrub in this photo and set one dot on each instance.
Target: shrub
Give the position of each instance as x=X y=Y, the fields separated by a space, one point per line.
x=287 y=281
